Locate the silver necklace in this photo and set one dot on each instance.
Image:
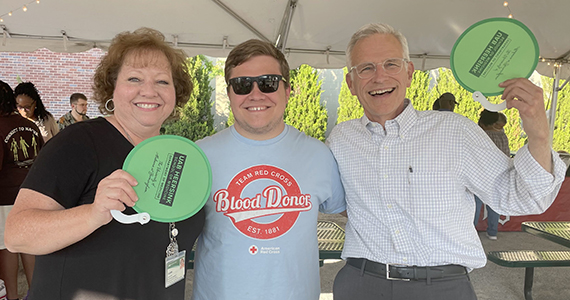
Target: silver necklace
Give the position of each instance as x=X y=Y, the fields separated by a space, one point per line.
x=128 y=136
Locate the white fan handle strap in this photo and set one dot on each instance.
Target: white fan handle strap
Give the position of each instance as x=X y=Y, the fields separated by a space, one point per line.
x=478 y=96
x=142 y=218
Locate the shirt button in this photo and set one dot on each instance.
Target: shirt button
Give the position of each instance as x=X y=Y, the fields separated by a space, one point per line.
x=385 y=147
x=405 y=259
x=397 y=231
x=385 y=175
x=389 y=205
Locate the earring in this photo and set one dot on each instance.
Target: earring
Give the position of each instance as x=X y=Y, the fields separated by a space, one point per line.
x=107 y=105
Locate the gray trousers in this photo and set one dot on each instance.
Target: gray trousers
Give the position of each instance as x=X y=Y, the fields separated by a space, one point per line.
x=351 y=283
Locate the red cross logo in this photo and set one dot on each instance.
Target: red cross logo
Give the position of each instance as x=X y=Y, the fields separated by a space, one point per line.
x=253 y=250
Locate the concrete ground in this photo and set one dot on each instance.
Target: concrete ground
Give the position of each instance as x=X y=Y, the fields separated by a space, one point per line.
x=491 y=282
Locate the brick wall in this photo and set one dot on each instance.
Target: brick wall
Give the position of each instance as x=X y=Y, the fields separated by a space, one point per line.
x=58 y=75
x=55 y=75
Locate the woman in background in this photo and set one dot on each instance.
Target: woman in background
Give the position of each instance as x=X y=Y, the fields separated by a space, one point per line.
x=20 y=142
x=493 y=123
x=30 y=106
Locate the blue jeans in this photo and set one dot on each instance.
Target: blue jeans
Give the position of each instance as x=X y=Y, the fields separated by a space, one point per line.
x=492 y=217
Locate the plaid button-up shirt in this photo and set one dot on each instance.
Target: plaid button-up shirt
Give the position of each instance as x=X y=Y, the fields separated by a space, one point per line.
x=409 y=186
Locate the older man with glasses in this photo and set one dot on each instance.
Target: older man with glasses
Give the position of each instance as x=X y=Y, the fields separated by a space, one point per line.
x=410 y=177
x=269 y=183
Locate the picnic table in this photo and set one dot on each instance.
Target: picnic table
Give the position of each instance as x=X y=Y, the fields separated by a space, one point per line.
x=330 y=237
x=558 y=232
x=331 y=240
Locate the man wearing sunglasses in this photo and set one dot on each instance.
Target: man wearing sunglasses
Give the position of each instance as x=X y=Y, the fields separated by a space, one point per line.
x=269 y=183
x=410 y=177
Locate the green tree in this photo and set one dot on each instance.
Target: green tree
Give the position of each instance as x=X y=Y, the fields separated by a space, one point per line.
x=471 y=109
x=195 y=119
x=418 y=92
x=304 y=110
x=231 y=119
x=348 y=105
x=446 y=83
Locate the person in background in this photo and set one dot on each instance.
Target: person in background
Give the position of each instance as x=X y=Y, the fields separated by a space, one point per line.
x=447 y=102
x=502 y=122
x=30 y=106
x=492 y=123
x=83 y=253
x=410 y=177
x=435 y=105
x=21 y=142
x=269 y=183
x=77 y=113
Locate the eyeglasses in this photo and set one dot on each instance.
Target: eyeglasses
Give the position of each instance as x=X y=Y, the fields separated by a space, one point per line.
x=265 y=83
x=26 y=108
x=391 y=66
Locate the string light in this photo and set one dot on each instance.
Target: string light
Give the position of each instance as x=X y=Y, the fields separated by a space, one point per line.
x=506 y=4
x=24 y=8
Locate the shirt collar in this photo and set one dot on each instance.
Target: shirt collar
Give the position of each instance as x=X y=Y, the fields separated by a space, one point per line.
x=402 y=124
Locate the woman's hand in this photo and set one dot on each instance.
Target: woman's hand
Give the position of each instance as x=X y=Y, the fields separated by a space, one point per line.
x=113 y=193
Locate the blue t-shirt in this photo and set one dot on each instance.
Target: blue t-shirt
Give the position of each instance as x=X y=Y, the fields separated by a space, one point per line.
x=260 y=236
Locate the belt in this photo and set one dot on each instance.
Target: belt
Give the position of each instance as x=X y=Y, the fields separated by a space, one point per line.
x=403 y=272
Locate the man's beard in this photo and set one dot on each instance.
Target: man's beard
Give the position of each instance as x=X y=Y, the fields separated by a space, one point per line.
x=82 y=114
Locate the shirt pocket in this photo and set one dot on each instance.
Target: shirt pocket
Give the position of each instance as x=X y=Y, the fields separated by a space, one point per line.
x=432 y=193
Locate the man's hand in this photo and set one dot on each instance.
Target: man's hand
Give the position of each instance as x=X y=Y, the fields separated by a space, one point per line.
x=528 y=98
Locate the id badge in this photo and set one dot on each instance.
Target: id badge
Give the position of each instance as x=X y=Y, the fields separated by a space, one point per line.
x=175 y=268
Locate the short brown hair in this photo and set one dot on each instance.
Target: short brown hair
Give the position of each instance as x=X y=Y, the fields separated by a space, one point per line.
x=75 y=97
x=140 y=41
x=252 y=48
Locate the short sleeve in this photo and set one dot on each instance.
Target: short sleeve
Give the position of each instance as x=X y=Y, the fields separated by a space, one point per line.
x=65 y=168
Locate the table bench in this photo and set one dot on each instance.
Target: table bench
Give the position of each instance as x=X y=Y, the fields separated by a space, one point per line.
x=330 y=239
x=530 y=259
x=558 y=232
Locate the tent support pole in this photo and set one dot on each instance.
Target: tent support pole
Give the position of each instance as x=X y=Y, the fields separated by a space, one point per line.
x=552 y=116
x=564 y=84
x=241 y=20
x=285 y=26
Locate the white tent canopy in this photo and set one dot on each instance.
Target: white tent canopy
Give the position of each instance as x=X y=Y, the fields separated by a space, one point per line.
x=313 y=32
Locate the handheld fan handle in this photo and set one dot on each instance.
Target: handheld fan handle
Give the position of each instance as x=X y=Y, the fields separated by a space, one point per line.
x=142 y=218
x=478 y=96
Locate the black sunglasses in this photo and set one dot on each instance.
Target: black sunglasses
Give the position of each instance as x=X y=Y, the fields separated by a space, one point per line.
x=266 y=84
